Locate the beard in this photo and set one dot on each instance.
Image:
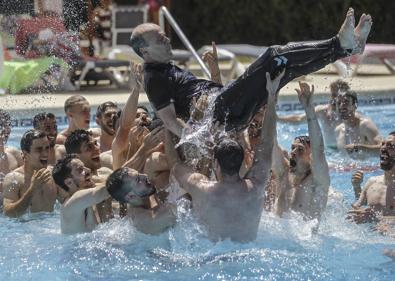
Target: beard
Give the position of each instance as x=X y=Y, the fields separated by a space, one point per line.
x=386 y=161
x=345 y=115
x=150 y=191
x=388 y=165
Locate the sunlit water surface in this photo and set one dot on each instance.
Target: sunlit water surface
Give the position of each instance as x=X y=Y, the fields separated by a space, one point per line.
x=32 y=247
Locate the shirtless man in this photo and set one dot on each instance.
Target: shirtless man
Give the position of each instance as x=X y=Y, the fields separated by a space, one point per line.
x=379 y=191
x=10 y=158
x=309 y=172
x=356 y=134
x=231 y=206
x=104 y=116
x=171 y=89
x=78 y=112
x=46 y=123
x=122 y=148
x=77 y=213
x=327 y=114
x=143 y=117
x=149 y=214
x=276 y=199
x=82 y=143
x=30 y=186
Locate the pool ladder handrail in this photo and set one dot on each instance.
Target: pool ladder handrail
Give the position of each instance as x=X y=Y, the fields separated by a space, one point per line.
x=164 y=13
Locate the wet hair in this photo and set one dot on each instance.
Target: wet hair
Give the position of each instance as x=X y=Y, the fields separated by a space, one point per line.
x=62 y=170
x=230 y=155
x=392 y=133
x=143 y=107
x=71 y=101
x=137 y=41
x=76 y=139
x=303 y=139
x=28 y=138
x=116 y=184
x=103 y=107
x=115 y=119
x=38 y=118
x=5 y=118
x=340 y=85
x=351 y=94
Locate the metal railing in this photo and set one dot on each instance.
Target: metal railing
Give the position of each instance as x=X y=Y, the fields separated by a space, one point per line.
x=164 y=12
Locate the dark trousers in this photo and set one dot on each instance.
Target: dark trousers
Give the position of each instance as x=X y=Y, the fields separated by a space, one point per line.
x=240 y=100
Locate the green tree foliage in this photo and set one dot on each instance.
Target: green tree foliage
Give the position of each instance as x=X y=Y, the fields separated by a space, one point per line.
x=268 y=22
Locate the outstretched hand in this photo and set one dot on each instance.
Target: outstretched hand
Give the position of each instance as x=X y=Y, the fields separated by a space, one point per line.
x=305 y=94
x=136 y=75
x=272 y=85
x=211 y=58
x=199 y=106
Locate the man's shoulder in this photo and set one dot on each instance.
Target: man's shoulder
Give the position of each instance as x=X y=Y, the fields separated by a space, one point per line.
x=104 y=171
x=69 y=205
x=12 y=150
x=14 y=178
x=61 y=137
x=374 y=180
x=16 y=174
x=367 y=124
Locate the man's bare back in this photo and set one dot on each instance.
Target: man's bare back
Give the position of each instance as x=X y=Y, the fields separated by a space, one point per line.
x=231 y=210
x=231 y=207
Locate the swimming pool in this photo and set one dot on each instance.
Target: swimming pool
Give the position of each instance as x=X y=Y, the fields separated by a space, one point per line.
x=32 y=247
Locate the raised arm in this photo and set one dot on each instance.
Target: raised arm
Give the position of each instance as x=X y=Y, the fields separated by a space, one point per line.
x=295 y=118
x=320 y=110
x=319 y=165
x=169 y=118
x=263 y=150
x=85 y=198
x=128 y=115
x=211 y=58
x=188 y=179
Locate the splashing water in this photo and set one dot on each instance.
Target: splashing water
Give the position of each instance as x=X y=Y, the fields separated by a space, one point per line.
x=33 y=248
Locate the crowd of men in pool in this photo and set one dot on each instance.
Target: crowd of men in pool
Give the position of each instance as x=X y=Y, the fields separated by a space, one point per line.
x=131 y=165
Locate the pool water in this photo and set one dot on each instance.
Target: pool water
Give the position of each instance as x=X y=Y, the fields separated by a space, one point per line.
x=32 y=247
